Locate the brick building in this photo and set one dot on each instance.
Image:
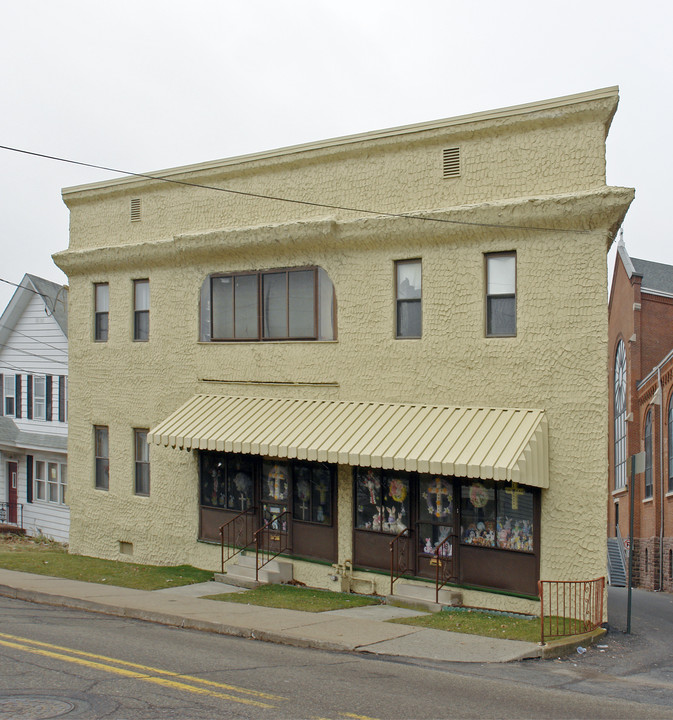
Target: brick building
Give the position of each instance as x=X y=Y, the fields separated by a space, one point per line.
x=641 y=412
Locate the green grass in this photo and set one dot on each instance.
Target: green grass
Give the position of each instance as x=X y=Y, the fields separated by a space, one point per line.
x=48 y=558
x=291 y=597
x=478 y=623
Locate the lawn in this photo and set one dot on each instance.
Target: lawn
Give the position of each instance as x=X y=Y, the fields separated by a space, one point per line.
x=36 y=555
x=292 y=597
x=477 y=622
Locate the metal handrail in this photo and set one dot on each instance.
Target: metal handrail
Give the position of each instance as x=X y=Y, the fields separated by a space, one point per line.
x=622 y=552
x=396 y=557
x=443 y=561
x=234 y=546
x=570 y=607
x=262 y=540
x=6 y=514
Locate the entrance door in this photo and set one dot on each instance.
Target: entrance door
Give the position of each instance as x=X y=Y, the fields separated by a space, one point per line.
x=12 y=491
x=275 y=494
x=435 y=523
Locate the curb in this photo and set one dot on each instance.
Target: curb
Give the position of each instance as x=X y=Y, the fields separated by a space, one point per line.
x=564 y=646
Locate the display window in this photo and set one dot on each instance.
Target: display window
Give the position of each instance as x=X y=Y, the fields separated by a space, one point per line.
x=382 y=500
x=226 y=481
x=312 y=494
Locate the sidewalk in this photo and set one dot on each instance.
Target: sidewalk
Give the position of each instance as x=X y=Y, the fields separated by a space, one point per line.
x=354 y=630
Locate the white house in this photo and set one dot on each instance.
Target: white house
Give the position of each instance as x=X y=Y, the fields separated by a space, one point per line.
x=34 y=409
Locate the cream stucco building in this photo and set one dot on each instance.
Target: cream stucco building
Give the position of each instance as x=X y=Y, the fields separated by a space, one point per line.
x=395 y=334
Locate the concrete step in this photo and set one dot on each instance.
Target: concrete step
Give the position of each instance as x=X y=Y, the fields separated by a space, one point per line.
x=422 y=597
x=243 y=570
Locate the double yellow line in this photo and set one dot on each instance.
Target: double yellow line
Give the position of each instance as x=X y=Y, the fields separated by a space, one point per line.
x=136 y=671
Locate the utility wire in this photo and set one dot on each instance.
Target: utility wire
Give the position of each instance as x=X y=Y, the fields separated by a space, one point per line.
x=34 y=339
x=41 y=357
x=288 y=200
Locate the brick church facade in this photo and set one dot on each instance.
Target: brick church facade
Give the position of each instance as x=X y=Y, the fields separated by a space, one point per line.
x=641 y=413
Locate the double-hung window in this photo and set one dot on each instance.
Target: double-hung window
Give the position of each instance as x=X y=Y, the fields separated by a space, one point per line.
x=141 y=310
x=10 y=395
x=501 y=294
x=102 y=453
x=142 y=461
x=101 y=311
x=39 y=397
x=408 y=288
x=649 y=485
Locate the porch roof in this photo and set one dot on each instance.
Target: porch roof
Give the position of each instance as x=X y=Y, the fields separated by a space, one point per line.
x=475 y=442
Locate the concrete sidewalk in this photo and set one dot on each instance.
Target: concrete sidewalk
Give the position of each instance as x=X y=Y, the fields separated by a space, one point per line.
x=354 y=630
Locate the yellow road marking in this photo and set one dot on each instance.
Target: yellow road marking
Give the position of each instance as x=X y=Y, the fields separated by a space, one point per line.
x=356 y=717
x=147 y=668
x=132 y=674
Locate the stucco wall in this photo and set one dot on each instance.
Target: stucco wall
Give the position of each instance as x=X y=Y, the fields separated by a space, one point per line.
x=556 y=362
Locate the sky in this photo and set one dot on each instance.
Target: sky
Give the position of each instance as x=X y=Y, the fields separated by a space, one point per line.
x=143 y=85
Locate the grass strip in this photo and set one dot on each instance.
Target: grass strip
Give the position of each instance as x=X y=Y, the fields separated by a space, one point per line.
x=291 y=597
x=478 y=623
x=49 y=558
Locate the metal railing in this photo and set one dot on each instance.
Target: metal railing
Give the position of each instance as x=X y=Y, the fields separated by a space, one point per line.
x=569 y=607
x=271 y=532
x=236 y=534
x=622 y=551
x=11 y=513
x=399 y=556
x=444 y=561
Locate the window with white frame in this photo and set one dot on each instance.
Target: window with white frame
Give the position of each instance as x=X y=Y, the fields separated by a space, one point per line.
x=10 y=395
x=141 y=310
x=408 y=297
x=39 y=397
x=101 y=311
x=50 y=480
x=142 y=455
x=620 y=416
x=501 y=294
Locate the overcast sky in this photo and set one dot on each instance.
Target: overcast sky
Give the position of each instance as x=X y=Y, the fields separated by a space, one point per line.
x=143 y=85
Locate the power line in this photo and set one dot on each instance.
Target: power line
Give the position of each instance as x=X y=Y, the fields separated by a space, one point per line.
x=34 y=339
x=41 y=357
x=289 y=200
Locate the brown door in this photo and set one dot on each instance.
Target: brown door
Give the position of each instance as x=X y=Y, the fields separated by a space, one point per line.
x=275 y=497
x=12 y=493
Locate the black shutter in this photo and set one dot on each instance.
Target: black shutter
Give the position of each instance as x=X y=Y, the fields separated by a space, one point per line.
x=2 y=394
x=29 y=397
x=49 y=400
x=61 y=398
x=17 y=401
x=29 y=478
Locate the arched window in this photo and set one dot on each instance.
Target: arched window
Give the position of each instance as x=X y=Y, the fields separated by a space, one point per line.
x=283 y=304
x=620 y=416
x=670 y=444
x=648 y=455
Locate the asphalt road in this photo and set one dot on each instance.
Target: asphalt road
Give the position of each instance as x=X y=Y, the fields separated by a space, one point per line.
x=63 y=663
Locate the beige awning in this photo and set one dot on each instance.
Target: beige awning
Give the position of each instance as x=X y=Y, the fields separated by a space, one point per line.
x=473 y=442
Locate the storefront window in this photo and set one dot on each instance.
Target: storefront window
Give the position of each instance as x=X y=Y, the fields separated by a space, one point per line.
x=477 y=526
x=226 y=481
x=382 y=501
x=312 y=494
x=515 y=518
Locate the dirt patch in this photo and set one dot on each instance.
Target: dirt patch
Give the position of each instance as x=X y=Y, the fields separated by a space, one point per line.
x=12 y=541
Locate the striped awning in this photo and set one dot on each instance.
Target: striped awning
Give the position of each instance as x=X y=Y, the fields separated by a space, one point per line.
x=473 y=442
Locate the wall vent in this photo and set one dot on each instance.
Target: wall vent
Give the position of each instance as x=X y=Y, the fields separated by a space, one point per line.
x=125 y=548
x=135 y=209
x=451 y=162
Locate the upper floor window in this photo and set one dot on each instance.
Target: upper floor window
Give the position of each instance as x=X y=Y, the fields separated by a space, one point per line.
x=648 y=455
x=102 y=454
x=290 y=304
x=142 y=457
x=620 y=416
x=408 y=309
x=670 y=445
x=501 y=294
x=101 y=310
x=39 y=397
x=10 y=395
x=141 y=310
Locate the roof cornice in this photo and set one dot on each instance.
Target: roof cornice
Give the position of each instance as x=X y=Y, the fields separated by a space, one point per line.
x=512 y=113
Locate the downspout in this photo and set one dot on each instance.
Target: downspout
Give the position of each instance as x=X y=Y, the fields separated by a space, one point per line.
x=661 y=478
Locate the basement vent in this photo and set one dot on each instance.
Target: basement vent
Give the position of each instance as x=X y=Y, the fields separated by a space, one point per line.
x=125 y=548
x=451 y=162
x=135 y=209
